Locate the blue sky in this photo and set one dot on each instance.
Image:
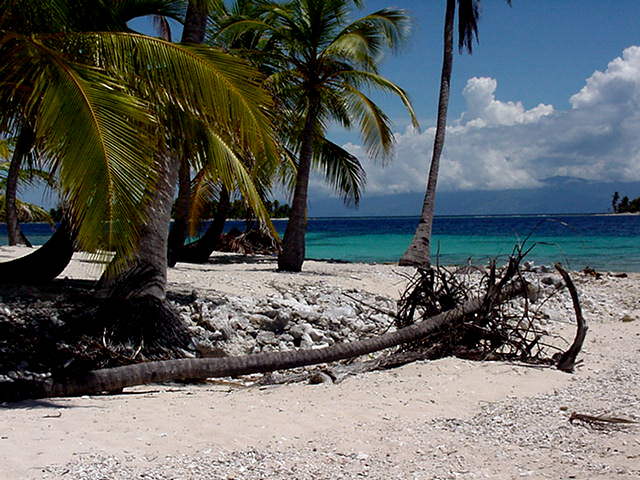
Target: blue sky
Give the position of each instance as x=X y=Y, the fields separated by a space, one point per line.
x=528 y=105
x=540 y=51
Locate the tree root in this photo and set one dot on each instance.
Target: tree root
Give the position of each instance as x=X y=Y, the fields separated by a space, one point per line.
x=567 y=360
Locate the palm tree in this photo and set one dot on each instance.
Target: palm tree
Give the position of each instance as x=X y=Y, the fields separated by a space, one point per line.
x=126 y=97
x=195 y=25
x=103 y=17
x=342 y=170
x=23 y=211
x=320 y=65
x=419 y=252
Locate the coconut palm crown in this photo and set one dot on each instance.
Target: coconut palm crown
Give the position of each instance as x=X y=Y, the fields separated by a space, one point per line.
x=98 y=104
x=321 y=68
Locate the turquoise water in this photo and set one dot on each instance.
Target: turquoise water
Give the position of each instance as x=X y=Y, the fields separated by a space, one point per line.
x=603 y=242
x=605 y=253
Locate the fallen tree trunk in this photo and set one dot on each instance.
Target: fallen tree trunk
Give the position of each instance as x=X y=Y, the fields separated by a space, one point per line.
x=114 y=379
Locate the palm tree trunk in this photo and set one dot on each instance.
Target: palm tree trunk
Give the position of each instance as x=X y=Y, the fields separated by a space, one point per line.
x=147 y=272
x=419 y=252
x=136 y=297
x=292 y=254
x=195 y=24
x=178 y=231
x=200 y=250
x=24 y=145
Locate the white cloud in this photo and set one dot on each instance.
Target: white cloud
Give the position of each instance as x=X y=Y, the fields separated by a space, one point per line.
x=483 y=109
x=500 y=144
x=618 y=85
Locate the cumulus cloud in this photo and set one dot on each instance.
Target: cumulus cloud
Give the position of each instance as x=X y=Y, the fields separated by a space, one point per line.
x=499 y=144
x=483 y=109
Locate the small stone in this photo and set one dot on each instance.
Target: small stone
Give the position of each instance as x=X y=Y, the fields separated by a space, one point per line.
x=266 y=338
x=306 y=341
x=318 y=378
x=316 y=335
x=627 y=319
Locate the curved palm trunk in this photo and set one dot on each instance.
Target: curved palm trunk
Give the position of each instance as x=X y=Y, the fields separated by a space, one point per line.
x=150 y=261
x=292 y=255
x=195 y=25
x=419 y=252
x=178 y=231
x=200 y=250
x=23 y=147
x=43 y=265
x=136 y=297
x=114 y=379
x=147 y=273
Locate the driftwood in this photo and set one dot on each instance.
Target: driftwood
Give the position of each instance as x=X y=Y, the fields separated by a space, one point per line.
x=339 y=372
x=567 y=360
x=427 y=291
x=600 y=420
x=114 y=379
x=497 y=332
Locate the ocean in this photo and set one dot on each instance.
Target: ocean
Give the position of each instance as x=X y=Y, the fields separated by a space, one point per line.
x=603 y=242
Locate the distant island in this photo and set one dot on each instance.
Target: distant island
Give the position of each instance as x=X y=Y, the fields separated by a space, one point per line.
x=624 y=205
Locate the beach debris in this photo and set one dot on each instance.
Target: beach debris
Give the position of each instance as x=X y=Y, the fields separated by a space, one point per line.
x=567 y=360
x=600 y=419
x=627 y=319
x=591 y=272
x=312 y=316
x=113 y=379
x=496 y=331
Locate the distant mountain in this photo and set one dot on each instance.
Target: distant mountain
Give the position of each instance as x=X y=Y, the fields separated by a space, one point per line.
x=563 y=180
x=560 y=195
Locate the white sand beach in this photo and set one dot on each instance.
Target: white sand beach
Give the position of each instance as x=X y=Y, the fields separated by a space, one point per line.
x=444 y=419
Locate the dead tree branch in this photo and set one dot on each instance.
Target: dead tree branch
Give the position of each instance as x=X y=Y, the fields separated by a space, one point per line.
x=567 y=361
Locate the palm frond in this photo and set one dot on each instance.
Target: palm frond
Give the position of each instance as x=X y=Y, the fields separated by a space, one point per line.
x=203 y=191
x=224 y=165
x=94 y=134
x=342 y=170
x=368 y=79
x=373 y=122
x=363 y=40
x=5 y=151
x=468 y=16
x=28 y=176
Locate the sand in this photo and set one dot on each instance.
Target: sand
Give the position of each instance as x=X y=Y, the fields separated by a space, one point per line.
x=442 y=419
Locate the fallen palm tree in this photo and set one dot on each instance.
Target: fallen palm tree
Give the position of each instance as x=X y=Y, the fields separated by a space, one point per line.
x=499 y=330
x=439 y=315
x=114 y=379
